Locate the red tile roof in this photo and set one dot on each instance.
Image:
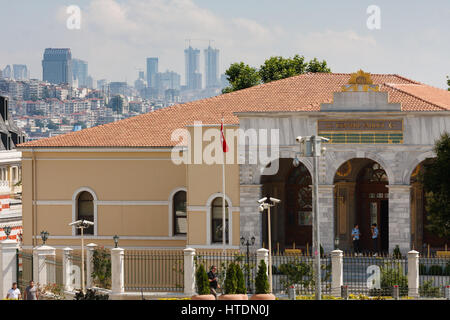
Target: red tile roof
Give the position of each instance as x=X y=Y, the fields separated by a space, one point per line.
x=299 y=93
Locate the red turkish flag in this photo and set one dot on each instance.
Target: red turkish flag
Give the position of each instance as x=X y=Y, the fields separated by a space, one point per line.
x=222 y=139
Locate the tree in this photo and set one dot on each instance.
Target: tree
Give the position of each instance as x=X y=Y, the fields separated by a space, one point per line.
x=231 y=279
x=241 y=289
x=201 y=280
x=448 y=83
x=261 y=280
x=276 y=68
x=436 y=181
x=241 y=76
x=51 y=125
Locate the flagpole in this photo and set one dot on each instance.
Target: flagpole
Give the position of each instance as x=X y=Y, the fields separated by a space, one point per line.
x=223 y=191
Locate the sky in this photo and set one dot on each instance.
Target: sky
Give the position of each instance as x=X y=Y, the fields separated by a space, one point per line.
x=116 y=36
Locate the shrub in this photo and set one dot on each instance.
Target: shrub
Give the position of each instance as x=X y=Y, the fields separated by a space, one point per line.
x=101 y=274
x=231 y=280
x=435 y=270
x=261 y=281
x=391 y=276
x=428 y=290
x=447 y=269
x=297 y=273
x=422 y=269
x=201 y=280
x=241 y=289
x=397 y=254
x=90 y=295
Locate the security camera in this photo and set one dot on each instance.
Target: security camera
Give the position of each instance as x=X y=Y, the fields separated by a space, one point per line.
x=262 y=200
x=275 y=200
x=299 y=139
x=75 y=222
x=261 y=208
x=87 y=222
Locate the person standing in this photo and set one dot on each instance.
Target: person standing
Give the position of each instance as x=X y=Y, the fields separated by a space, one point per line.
x=212 y=278
x=14 y=292
x=31 y=292
x=355 y=237
x=375 y=239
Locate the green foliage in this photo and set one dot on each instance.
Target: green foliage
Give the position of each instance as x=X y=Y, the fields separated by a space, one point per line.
x=436 y=181
x=241 y=75
x=101 y=274
x=241 y=289
x=231 y=279
x=428 y=290
x=436 y=270
x=448 y=83
x=91 y=295
x=261 y=280
x=391 y=275
x=447 y=269
x=422 y=269
x=201 y=280
x=297 y=273
x=397 y=253
x=52 y=126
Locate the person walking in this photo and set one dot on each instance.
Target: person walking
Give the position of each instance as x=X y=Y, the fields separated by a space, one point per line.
x=355 y=237
x=375 y=239
x=14 y=292
x=31 y=292
x=212 y=278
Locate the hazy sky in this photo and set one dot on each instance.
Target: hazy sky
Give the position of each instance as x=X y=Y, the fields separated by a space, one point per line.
x=117 y=35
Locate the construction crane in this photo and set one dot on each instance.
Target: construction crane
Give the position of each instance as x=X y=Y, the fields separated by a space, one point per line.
x=189 y=41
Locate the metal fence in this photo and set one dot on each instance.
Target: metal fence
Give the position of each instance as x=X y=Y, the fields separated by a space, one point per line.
x=24 y=266
x=434 y=276
x=54 y=270
x=154 y=270
x=375 y=276
x=298 y=271
x=222 y=259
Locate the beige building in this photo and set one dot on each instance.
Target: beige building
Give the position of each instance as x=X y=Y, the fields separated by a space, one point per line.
x=124 y=176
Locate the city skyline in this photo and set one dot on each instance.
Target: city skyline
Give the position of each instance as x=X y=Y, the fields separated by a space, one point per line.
x=117 y=36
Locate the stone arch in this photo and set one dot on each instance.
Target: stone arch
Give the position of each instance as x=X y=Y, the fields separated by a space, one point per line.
x=414 y=163
x=335 y=165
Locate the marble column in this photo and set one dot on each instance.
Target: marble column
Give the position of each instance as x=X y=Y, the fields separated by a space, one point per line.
x=326 y=217
x=399 y=217
x=250 y=217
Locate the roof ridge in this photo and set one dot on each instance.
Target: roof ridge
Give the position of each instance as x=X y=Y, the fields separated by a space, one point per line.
x=417 y=97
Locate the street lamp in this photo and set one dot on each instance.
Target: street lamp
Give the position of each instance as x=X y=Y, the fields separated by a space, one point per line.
x=44 y=236
x=245 y=242
x=311 y=147
x=263 y=205
x=116 y=241
x=7 y=231
x=82 y=224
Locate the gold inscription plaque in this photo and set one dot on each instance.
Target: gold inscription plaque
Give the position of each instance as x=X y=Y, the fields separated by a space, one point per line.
x=361 y=131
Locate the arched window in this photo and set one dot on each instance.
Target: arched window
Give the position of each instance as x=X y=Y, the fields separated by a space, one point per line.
x=85 y=211
x=217 y=221
x=179 y=213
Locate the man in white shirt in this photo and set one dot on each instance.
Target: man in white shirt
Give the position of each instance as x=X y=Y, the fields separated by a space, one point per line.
x=14 y=292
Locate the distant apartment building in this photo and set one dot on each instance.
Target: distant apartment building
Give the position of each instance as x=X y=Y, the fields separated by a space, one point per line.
x=152 y=72
x=192 y=69
x=80 y=72
x=7 y=72
x=57 y=66
x=211 y=67
x=116 y=88
x=169 y=80
x=20 y=72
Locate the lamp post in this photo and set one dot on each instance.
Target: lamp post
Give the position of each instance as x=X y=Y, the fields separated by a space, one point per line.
x=7 y=231
x=311 y=147
x=247 y=243
x=263 y=205
x=82 y=224
x=44 y=236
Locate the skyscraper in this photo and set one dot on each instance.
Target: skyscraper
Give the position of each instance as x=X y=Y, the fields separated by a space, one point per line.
x=57 y=66
x=20 y=72
x=80 y=72
x=152 y=71
x=7 y=72
x=211 y=67
x=192 y=68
